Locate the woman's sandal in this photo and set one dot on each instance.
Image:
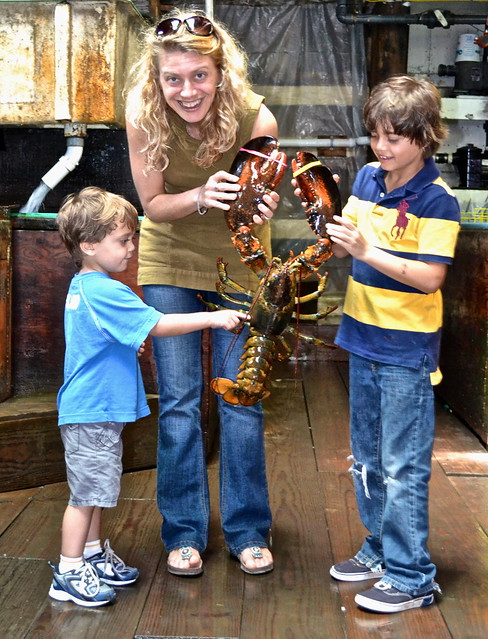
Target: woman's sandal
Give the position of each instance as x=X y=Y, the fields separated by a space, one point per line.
x=256 y=553
x=186 y=552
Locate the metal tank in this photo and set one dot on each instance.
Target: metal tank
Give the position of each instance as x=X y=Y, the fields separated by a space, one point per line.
x=65 y=61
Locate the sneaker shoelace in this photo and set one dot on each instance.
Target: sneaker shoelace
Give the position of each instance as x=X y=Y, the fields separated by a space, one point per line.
x=112 y=561
x=89 y=581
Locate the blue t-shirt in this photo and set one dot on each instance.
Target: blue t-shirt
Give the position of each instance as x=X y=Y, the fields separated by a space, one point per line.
x=105 y=323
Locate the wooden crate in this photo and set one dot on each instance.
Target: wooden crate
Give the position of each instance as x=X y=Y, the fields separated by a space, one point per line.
x=464 y=351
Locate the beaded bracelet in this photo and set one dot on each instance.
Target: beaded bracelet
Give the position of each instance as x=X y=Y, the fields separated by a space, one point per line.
x=201 y=209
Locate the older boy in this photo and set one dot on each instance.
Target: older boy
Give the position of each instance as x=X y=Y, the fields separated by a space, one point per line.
x=106 y=324
x=400 y=225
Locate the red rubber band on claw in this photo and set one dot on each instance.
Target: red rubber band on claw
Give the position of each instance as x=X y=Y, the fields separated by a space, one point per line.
x=262 y=155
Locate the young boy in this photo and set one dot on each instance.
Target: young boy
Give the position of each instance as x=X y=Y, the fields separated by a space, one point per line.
x=106 y=324
x=400 y=225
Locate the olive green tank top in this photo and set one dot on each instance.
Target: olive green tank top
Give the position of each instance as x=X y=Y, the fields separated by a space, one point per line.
x=184 y=252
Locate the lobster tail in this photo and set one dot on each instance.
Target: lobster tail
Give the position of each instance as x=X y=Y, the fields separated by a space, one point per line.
x=251 y=385
x=225 y=387
x=234 y=393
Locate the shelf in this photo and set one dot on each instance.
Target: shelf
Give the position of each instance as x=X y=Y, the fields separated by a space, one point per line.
x=465 y=107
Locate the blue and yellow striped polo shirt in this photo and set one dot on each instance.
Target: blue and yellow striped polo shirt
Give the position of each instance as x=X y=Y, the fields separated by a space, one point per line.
x=383 y=319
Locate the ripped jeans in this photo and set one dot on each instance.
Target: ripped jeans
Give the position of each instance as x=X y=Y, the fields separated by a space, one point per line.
x=392 y=435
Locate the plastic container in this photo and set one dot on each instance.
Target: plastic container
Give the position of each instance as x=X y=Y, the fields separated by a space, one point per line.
x=467 y=49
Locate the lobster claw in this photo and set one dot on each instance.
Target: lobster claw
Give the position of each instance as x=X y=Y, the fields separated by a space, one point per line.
x=318 y=190
x=260 y=168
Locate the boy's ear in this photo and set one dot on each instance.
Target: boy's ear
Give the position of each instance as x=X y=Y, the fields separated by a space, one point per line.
x=87 y=247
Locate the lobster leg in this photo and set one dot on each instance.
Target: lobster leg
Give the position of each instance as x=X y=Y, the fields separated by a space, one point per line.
x=316 y=316
x=250 y=250
x=309 y=339
x=313 y=256
x=225 y=296
x=226 y=280
x=210 y=305
x=315 y=294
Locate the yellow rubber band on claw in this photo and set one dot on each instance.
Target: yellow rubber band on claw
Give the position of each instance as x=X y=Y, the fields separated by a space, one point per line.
x=306 y=167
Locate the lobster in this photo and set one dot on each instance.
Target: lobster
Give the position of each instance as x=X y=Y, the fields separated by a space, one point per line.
x=260 y=168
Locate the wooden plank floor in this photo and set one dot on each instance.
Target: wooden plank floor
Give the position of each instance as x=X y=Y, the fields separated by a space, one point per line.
x=315 y=524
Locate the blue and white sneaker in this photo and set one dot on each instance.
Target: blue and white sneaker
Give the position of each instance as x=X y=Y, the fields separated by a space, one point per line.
x=111 y=569
x=354 y=570
x=383 y=597
x=82 y=587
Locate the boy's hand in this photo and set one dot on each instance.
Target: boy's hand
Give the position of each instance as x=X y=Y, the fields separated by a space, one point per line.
x=345 y=234
x=227 y=318
x=298 y=191
x=141 y=350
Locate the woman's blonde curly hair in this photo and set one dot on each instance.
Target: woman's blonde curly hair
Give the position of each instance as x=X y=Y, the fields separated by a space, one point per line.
x=147 y=110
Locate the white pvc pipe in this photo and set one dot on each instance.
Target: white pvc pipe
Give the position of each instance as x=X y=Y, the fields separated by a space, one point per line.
x=66 y=163
x=330 y=142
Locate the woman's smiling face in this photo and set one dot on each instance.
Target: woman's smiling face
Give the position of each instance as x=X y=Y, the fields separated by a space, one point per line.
x=189 y=84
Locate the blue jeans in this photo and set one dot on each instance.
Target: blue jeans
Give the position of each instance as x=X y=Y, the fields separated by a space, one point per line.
x=392 y=435
x=182 y=486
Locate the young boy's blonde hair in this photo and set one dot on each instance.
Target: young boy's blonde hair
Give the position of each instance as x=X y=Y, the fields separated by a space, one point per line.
x=408 y=107
x=90 y=215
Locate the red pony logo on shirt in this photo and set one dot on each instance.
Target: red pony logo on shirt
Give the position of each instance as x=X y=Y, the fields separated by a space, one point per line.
x=401 y=221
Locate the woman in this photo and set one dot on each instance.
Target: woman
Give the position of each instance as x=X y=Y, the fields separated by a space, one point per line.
x=189 y=111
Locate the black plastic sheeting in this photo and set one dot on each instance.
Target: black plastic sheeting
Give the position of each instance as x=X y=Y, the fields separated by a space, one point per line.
x=304 y=50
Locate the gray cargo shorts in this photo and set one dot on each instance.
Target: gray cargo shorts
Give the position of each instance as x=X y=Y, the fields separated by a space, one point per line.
x=93 y=454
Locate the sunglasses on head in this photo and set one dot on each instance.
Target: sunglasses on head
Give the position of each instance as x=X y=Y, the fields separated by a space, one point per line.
x=197 y=25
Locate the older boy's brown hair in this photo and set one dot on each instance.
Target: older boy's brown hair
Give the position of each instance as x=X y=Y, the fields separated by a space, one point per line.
x=408 y=107
x=90 y=215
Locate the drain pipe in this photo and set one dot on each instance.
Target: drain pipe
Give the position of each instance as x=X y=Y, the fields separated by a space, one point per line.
x=75 y=134
x=430 y=19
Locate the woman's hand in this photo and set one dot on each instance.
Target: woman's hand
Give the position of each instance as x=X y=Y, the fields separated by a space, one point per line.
x=267 y=208
x=221 y=189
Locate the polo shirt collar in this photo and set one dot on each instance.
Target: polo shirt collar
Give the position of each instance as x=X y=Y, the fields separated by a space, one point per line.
x=423 y=178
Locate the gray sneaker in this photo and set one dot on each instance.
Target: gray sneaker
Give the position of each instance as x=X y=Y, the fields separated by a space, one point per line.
x=83 y=587
x=384 y=597
x=353 y=570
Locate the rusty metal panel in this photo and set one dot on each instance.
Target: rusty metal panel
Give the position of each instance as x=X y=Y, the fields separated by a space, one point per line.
x=66 y=61
x=26 y=45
